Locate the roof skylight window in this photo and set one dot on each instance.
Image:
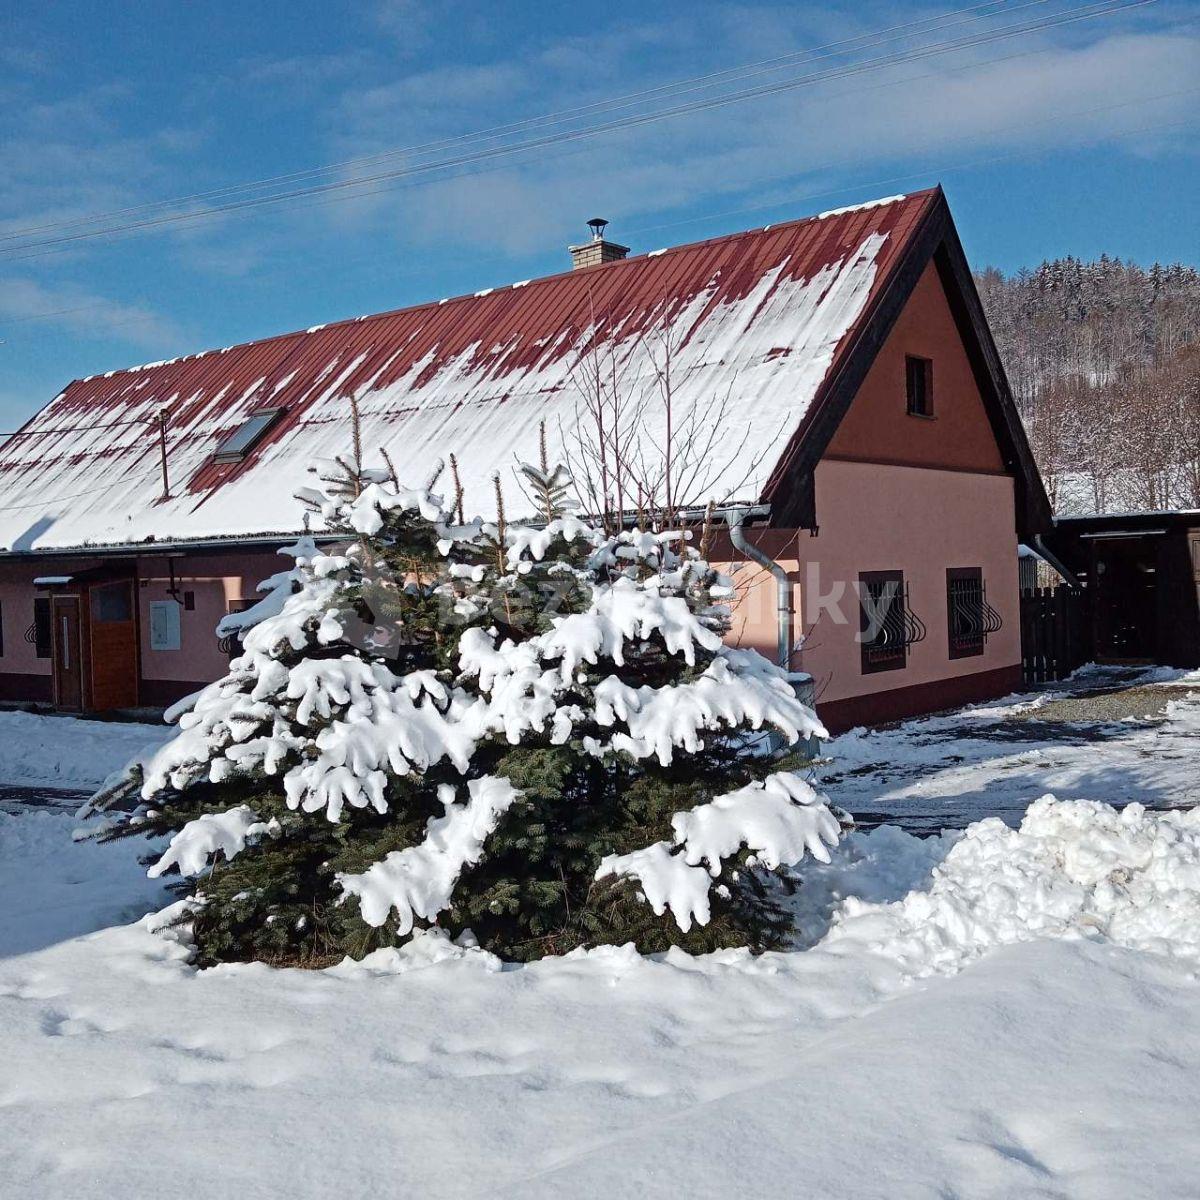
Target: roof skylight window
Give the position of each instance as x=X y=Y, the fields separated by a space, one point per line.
x=243 y=439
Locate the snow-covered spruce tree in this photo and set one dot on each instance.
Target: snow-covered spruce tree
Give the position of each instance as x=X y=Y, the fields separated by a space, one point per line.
x=322 y=748
x=638 y=805
x=537 y=737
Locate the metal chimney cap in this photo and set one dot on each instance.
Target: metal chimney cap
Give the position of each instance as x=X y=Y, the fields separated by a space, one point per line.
x=597 y=226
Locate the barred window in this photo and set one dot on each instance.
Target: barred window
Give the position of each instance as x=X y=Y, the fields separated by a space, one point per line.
x=969 y=617
x=888 y=624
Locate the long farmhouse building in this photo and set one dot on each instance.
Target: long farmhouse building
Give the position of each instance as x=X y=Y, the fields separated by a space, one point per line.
x=880 y=465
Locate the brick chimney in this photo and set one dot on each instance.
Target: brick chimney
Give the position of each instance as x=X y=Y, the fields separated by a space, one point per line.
x=598 y=250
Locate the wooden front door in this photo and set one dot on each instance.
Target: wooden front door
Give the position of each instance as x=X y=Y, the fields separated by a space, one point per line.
x=112 y=646
x=67 y=656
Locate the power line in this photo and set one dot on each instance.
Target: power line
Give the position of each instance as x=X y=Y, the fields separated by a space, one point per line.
x=682 y=87
x=943 y=169
x=926 y=173
x=24 y=433
x=1084 y=12
x=1024 y=125
x=52 y=500
x=57 y=312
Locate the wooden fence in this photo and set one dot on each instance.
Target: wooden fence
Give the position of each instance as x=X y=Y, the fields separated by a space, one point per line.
x=1054 y=633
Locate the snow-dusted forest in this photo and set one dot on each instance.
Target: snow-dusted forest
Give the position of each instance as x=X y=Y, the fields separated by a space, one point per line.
x=1104 y=359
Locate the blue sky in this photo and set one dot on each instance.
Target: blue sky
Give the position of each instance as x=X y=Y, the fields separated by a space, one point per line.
x=1079 y=139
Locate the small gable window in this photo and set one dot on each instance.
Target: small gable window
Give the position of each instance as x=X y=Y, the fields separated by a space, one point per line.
x=243 y=439
x=919 y=384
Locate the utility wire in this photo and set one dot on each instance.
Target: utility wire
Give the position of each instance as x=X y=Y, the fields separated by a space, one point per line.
x=731 y=74
x=1084 y=12
x=873 y=183
x=24 y=433
x=795 y=197
x=108 y=487
x=944 y=169
x=1056 y=118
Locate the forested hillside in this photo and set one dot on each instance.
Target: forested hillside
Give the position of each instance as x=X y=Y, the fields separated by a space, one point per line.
x=1104 y=360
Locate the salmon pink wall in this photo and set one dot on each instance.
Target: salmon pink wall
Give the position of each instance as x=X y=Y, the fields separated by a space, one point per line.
x=877 y=426
x=17 y=593
x=16 y=615
x=883 y=518
x=216 y=582
x=898 y=492
x=754 y=625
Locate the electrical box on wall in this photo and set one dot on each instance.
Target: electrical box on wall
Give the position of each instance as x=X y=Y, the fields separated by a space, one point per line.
x=164 y=625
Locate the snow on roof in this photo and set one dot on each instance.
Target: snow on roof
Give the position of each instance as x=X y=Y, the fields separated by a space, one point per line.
x=758 y=317
x=853 y=208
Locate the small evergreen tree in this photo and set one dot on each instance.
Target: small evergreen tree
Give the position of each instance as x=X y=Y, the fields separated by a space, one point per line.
x=529 y=732
x=322 y=747
x=627 y=728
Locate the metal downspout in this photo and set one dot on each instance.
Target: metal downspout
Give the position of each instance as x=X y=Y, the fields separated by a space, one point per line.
x=1055 y=561
x=784 y=610
x=802 y=684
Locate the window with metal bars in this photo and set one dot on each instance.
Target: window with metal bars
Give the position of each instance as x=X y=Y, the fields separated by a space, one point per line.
x=888 y=624
x=970 y=619
x=39 y=632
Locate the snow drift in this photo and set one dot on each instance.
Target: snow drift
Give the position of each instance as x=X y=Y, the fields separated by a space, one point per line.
x=1074 y=868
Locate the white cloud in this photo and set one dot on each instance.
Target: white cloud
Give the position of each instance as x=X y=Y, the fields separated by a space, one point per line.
x=920 y=116
x=75 y=156
x=82 y=311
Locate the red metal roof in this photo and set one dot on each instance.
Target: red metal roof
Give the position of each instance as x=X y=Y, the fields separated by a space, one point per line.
x=765 y=312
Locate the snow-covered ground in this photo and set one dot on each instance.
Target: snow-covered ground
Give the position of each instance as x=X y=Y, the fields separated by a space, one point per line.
x=1083 y=738
x=37 y=750
x=989 y=1013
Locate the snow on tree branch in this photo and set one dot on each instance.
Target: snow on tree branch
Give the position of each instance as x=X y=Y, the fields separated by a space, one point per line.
x=418 y=881
x=213 y=833
x=778 y=820
x=582 y=671
x=737 y=688
x=667 y=882
x=277 y=589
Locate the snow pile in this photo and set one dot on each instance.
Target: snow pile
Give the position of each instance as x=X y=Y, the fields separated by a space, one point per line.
x=53 y=887
x=648 y=1076
x=1073 y=869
